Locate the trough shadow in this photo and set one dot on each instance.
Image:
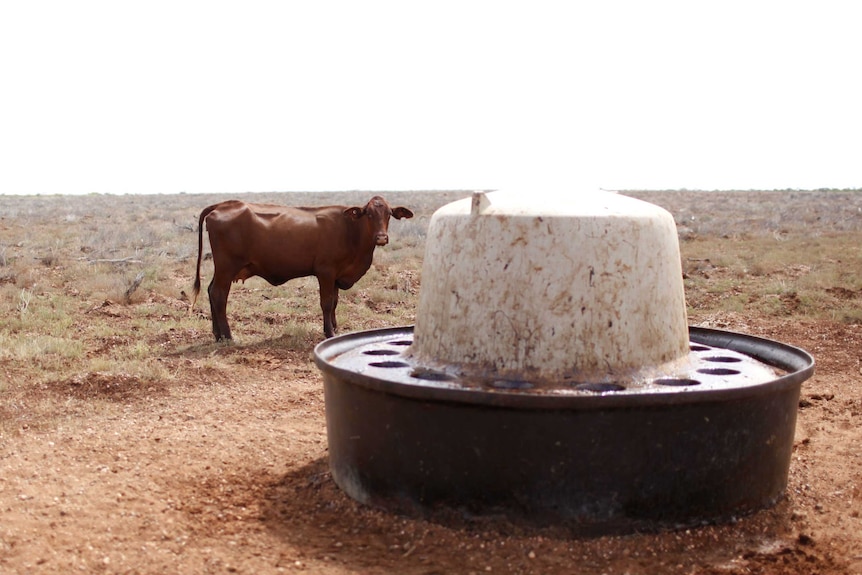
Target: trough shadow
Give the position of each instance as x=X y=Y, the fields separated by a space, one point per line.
x=306 y=508
x=309 y=496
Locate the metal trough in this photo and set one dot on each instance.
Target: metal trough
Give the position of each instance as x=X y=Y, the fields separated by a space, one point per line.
x=561 y=403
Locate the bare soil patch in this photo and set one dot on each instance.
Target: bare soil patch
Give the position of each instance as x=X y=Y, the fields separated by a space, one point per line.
x=147 y=448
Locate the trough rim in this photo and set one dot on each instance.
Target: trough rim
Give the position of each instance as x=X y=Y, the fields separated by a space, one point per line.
x=797 y=363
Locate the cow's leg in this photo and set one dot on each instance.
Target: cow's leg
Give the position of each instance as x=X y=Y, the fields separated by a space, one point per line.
x=328 y=300
x=218 y=292
x=335 y=305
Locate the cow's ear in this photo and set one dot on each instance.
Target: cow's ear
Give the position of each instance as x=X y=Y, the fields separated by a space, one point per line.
x=399 y=213
x=354 y=213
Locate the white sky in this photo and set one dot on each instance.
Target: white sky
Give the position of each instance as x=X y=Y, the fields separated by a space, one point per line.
x=179 y=96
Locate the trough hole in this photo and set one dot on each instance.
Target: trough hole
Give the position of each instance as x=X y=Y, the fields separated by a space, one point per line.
x=695 y=347
x=722 y=359
x=676 y=381
x=389 y=364
x=380 y=352
x=599 y=387
x=510 y=384
x=718 y=371
x=430 y=375
x=401 y=342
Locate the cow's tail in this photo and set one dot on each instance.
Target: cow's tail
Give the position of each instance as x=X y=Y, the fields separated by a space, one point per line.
x=196 y=288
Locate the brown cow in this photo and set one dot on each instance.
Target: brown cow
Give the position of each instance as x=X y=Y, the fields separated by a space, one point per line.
x=334 y=243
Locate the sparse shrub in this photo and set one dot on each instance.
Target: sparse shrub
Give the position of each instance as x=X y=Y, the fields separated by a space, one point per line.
x=50 y=260
x=132 y=286
x=24 y=300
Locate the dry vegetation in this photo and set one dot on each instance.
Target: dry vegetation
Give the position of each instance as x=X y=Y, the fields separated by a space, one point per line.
x=130 y=442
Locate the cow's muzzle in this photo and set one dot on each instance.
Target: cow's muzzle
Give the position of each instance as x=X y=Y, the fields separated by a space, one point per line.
x=382 y=239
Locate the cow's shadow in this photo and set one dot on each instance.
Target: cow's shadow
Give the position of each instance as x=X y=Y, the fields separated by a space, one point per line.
x=280 y=346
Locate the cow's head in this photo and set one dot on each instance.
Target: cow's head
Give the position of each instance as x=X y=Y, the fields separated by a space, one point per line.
x=378 y=212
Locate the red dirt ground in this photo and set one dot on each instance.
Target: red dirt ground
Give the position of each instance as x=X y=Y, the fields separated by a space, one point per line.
x=227 y=472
